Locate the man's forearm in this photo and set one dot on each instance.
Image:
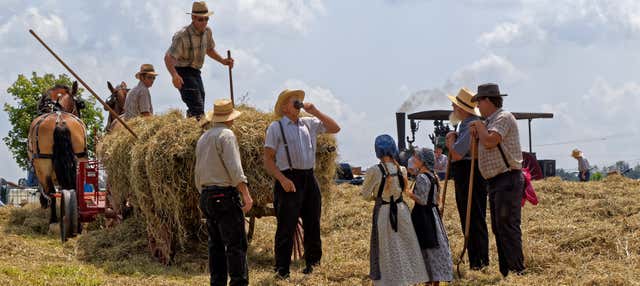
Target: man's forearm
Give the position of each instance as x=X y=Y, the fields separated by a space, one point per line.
x=170 y=63
x=330 y=124
x=272 y=169
x=212 y=53
x=242 y=188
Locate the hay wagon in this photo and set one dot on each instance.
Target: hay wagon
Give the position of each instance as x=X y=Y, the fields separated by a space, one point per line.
x=155 y=173
x=84 y=203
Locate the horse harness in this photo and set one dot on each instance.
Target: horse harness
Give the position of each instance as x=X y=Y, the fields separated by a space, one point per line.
x=59 y=120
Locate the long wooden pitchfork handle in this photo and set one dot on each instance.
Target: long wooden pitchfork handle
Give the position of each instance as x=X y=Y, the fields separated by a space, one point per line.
x=115 y=115
x=233 y=102
x=446 y=181
x=469 y=197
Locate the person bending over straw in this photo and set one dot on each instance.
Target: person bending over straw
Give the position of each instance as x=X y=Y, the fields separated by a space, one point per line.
x=220 y=179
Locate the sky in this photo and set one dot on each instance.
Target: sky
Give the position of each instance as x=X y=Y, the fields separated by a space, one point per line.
x=362 y=61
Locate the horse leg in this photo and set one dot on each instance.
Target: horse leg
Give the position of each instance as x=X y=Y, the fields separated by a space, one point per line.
x=53 y=218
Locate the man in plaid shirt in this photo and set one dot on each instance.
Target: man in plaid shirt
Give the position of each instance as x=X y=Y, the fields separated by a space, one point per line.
x=500 y=162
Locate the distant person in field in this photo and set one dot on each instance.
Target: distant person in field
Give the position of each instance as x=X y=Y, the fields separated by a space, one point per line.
x=440 y=166
x=500 y=162
x=394 y=250
x=584 y=170
x=185 y=58
x=138 y=100
x=290 y=157
x=427 y=222
x=459 y=145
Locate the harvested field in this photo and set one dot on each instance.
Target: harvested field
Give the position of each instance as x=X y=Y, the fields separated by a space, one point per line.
x=579 y=234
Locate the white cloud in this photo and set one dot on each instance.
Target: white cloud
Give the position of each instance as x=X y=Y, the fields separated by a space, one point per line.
x=491 y=68
x=48 y=25
x=612 y=103
x=583 y=22
x=296 y=14
x=510 y=33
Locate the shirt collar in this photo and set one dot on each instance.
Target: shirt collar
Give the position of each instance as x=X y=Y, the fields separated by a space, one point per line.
x=469 y=119
x=287 y=121
x=192 y=30
x=494 y=115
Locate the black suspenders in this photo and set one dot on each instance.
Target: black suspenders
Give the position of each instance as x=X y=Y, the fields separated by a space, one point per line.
x=286 y=146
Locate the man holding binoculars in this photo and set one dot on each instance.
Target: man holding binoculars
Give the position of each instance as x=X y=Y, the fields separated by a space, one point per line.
x=289 y=156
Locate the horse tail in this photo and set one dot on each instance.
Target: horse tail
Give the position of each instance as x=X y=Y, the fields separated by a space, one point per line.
x=64 y=160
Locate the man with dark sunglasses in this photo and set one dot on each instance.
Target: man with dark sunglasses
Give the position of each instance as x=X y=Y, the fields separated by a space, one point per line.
x=185 y=58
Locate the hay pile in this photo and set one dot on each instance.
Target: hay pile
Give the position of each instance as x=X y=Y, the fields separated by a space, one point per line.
x=155 y=172
x=578 y=234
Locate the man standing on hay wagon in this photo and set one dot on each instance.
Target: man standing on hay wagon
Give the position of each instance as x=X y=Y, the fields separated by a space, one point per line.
x=500 y=162
x=185 y=58
x=220 y=179
x=138 y=100
x=290 y=155
x=459 y=145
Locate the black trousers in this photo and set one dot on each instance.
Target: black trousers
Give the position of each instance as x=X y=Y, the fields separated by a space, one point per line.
x=192 y=91
x=505 y=197
x=227 y=236
x=478 y=247
x=305 y=203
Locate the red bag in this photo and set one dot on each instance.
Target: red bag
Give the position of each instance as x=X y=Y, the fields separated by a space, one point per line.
x=528 y=193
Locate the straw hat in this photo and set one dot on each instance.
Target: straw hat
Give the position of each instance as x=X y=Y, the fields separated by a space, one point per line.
x=146 y=69
x=283 y=98
x=463 y=100
x=576 y=153
x=223 y=111
x=200 y=9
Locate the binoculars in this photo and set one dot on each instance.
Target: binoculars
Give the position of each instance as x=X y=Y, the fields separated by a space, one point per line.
x=298 y=104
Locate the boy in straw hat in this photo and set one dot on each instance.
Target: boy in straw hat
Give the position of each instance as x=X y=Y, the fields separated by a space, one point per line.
x=459 y=144
x=185 y=58
x=220 y=179
x=500 y=162
x=138 y=100
x=289 y=156
x=583 y=165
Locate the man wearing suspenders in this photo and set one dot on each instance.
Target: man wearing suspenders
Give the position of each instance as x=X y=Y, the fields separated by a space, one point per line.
x=185 y=58
x=289 y=156
x=500 y=163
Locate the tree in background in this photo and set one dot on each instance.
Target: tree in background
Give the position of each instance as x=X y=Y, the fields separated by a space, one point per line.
x=26 y=93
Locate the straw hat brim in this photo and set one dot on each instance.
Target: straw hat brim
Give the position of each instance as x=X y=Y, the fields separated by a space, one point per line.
x=201 y=14
x=576 y=154
x=141 y=73
x=474 y=111
x=282 y=99
x=210 y=117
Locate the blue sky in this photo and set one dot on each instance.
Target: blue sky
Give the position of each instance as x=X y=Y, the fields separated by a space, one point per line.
x=359 y=61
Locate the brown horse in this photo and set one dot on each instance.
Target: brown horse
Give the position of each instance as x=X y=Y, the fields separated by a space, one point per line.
x=116 y=102
x=57 y=141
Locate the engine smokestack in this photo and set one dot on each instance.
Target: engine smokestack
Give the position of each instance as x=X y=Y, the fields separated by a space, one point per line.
x=400 y=124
